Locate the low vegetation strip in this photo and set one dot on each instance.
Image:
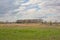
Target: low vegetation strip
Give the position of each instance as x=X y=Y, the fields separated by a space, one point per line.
x=29 y=33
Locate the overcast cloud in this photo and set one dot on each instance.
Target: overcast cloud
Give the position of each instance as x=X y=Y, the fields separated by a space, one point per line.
x=12 y=10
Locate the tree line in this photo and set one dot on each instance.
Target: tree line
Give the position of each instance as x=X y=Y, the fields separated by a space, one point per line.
x=31 y=21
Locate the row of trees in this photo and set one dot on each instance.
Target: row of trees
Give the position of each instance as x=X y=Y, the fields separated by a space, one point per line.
x=37 y=21
x=31 y=21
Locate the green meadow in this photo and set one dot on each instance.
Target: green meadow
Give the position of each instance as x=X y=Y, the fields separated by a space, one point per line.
x=29 y=33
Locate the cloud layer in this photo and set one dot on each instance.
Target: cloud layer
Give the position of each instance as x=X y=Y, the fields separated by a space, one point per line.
x=12 y=10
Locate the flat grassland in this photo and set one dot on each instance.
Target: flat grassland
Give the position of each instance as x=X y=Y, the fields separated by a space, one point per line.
x=29 y=32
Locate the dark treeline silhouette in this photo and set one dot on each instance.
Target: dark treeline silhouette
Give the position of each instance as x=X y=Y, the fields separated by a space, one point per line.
x=30 y=21
x=41 y=21
x=37 y=21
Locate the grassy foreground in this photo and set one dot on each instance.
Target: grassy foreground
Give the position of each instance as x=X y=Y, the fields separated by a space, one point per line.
x=28 y=33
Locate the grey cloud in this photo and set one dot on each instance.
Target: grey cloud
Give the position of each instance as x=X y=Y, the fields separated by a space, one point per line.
x=17 y=9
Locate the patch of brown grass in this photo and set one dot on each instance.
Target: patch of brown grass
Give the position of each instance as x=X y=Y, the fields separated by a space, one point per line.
x=30 y=25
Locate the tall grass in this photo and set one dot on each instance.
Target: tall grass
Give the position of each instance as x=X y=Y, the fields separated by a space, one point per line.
x=30 y=34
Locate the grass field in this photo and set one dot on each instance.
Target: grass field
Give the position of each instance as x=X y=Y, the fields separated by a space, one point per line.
x=29 y=32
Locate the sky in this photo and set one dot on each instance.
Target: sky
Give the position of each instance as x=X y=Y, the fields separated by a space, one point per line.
x=12 y=10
